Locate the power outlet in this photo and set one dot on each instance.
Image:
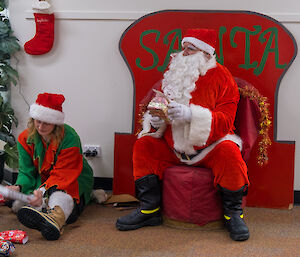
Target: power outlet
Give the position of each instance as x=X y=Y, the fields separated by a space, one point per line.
x=92 y=150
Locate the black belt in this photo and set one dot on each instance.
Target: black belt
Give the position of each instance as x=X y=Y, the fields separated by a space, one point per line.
x=188 y=157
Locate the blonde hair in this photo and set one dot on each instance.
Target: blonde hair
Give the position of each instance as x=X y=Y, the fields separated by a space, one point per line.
x=57 y=133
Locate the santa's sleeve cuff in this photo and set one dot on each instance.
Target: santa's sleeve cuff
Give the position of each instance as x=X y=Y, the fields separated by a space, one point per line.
x=146 y=124
x=200 y=126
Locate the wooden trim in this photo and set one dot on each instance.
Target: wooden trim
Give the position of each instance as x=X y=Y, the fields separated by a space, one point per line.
x=103 y=183
x=296 y=197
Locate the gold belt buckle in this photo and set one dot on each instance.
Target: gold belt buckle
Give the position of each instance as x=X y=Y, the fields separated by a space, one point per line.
x=187 y=157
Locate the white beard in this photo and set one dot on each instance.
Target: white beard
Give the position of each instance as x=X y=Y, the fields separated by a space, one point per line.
x=179 y=80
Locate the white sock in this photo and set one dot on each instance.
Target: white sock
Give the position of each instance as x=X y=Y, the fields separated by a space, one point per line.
x=63 y=200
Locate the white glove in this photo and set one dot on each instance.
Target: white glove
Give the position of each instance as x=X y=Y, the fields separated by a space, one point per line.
x=179 y=112
x=156 y=122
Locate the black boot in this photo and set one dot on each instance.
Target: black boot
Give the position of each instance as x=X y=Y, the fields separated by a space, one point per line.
x=233 y=214
x=148 y=192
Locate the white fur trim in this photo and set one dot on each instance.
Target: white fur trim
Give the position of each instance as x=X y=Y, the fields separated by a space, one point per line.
x=211 y=63
x=41 y=7
x=231 y=137
x=180 y=132
x=45 y=114
x=63 y=200
x=147 y=127
x=195 y=133
x=17 y=205
x=200 y=127
x=99 y=196
x=146 y=124
x=200 y=44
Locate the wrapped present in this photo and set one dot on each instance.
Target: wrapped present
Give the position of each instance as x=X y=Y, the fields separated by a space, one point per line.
x=158 y=106
x=2 y=200
x=14 y=195
x=6 y=248
x=14 y=236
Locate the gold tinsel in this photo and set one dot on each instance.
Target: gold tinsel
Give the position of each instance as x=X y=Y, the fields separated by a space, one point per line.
x=264 y=122
x=141 y=112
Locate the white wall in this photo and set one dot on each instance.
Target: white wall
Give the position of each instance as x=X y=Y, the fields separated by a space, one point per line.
x=85 y=65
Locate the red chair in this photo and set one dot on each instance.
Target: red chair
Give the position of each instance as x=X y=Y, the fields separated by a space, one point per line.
x=146 y=46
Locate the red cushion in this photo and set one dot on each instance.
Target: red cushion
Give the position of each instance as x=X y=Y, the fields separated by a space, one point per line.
x=189 y=195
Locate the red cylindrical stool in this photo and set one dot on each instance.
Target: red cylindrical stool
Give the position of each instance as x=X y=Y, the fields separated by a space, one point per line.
x=189 y=196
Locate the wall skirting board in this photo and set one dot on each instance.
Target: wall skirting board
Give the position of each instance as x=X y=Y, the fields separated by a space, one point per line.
x=10 y=177
x=103 y=183
x=296 y=197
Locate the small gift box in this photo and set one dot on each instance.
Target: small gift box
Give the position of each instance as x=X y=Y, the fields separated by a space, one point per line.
x=158 y=106
x=6 y=248
x=15 y=236
x=2 y=200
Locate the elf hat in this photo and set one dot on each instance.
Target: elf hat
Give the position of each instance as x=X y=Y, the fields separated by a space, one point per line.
x=204 y=39
x=48 y=108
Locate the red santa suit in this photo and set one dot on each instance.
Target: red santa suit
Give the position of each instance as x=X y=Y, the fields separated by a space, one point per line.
x=194 y=115
x=207 y=141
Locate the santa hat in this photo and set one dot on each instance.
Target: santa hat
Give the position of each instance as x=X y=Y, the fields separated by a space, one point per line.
x=204 y=39
x=48 y=108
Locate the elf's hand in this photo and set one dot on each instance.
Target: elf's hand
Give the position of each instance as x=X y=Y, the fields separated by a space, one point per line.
x=156 y=122
x=37 y=198
x=179 y=112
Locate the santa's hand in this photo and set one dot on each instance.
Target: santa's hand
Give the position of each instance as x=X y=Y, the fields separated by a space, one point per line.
x=179 y=112
x=156 y=122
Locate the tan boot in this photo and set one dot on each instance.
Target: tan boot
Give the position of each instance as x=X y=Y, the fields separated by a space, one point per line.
x=50 y=223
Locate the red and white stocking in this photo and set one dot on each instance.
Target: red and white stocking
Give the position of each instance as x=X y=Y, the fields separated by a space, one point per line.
x=43 y=40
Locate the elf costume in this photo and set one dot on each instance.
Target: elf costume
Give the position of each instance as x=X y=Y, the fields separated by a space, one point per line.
x=60 y=171
x=206 y=139
x=62 y=166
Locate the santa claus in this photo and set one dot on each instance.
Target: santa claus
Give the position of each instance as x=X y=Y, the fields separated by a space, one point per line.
x=203 y=98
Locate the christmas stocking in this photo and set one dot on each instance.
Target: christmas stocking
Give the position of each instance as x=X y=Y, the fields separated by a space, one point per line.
x=42 y=42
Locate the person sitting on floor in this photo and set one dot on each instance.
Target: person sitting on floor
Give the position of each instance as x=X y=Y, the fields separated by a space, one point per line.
x=198 y=131
x=52 y=167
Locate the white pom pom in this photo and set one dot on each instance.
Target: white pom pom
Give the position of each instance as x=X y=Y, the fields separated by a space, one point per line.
x=17 y=205
x=99 y=196
x=40 y=5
